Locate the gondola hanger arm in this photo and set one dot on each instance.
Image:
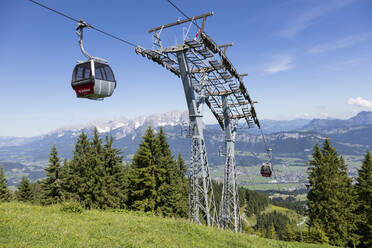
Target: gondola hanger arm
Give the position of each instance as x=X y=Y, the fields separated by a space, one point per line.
x=79 y=31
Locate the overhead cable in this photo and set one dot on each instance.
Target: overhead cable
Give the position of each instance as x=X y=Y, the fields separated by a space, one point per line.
x=90 y=26
x=183 y=13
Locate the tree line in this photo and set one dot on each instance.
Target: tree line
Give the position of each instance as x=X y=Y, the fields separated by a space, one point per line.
x=96 y=177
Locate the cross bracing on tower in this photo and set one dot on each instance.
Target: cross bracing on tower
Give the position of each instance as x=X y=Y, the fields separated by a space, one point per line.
x=211 y=71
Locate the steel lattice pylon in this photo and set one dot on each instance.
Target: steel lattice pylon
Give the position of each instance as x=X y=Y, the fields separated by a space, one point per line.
x=208 y=77
x=229 y=207
x=201 y=197
x=202 y=202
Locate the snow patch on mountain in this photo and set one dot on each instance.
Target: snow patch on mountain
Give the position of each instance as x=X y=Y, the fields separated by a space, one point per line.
x=122 y=126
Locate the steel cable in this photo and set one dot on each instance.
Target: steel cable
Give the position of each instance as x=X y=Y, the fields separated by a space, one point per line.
x=92 y=27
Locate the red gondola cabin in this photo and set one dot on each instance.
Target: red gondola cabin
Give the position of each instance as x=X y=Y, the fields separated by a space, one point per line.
x=93 y=80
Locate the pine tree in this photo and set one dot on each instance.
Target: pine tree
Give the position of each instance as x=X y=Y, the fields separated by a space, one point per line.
x=169 y=179
x=95 y=175
x=364 y=198
x=157 y=180
x=331 y=199
x=143 y=193
x=183 y=187
x=172 y=186
x=182 y=168
x=51 y=191
x=96 y=166
x=5 y=194
x=347 y=196
x=24 y=192
x=115 y=181
x=164 y=175
x=78 y=176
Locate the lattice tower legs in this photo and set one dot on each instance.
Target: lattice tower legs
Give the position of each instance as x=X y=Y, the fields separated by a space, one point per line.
x=202 y=204
x=229 y=207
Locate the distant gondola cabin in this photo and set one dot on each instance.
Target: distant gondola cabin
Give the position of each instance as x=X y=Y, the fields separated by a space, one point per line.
x=93 y=80
x=266 y=169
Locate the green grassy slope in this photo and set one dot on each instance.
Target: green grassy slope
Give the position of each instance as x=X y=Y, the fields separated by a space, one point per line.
x=289 y=212
x=292 y=215
x=23 y=225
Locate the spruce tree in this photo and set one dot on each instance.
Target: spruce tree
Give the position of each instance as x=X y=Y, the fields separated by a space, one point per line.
x=24 y=192
x=331 y=199
x=95 y=175
x=182 y=168
x=5 y=194
x=51 y=191
x=157 y=181
x=183 y=187
x=114 y=181
x=96 y=165
x=143 y=193
x=171 y=183
x=164 y=173
x=364 y=199
x=78 y=179
x=167 y=177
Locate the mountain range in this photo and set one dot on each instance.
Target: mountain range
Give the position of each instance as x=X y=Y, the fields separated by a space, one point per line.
x=292 y=141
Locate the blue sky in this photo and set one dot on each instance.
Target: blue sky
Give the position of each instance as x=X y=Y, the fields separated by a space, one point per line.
x=305 y=59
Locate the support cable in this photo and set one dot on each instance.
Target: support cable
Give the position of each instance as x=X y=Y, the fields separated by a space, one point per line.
x=183 y=13
x=264 y=139
x=90 y=26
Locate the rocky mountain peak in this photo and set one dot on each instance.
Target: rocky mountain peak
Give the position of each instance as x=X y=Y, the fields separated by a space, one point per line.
x=124 y=125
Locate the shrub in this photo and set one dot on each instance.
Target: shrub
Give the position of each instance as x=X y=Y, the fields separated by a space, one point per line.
x=72 y=207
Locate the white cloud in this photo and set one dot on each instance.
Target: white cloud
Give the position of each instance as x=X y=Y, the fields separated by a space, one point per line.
x=312 y=16
x=282 y=63
x=361 y=102
x=340 y=43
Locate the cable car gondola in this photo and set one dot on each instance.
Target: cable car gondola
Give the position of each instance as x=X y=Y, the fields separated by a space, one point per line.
x=266 y=167
x=92 y=79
